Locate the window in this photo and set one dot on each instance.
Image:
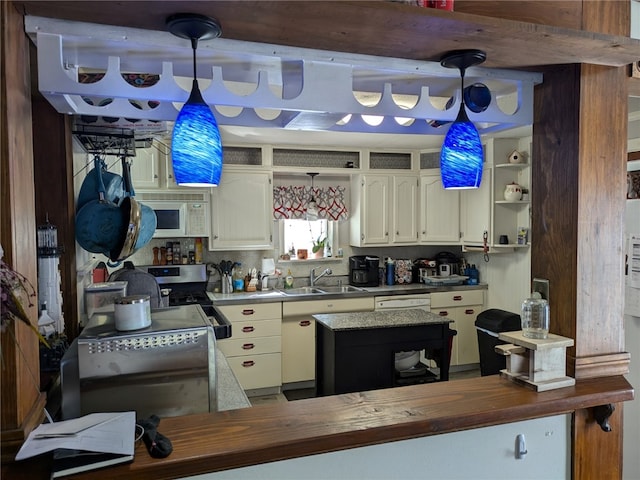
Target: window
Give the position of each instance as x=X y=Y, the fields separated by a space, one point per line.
x=301 y=234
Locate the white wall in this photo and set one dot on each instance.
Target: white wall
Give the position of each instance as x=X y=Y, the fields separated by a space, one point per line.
x=508 y=276
x=483 y=453
x=635 y=19
x=631 y=459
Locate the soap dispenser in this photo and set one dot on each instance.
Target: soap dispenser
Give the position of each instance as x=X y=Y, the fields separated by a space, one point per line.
x=288 y=281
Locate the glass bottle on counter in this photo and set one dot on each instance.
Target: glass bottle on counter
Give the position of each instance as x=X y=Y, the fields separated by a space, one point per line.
x=535 y=317
x=238 y=278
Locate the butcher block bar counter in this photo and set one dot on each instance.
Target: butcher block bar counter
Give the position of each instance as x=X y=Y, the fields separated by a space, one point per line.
x=224 y=440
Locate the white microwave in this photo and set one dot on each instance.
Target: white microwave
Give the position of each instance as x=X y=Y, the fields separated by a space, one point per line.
x=179 y=217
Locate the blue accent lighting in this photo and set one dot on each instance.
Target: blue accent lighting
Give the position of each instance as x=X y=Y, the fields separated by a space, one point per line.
x=461 y=156
x=196 y=148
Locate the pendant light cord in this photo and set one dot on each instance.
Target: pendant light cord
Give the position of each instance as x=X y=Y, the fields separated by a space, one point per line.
x=194 y=46
x=462 y=71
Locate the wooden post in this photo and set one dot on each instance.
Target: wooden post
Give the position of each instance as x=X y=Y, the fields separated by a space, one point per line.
x=22 y=402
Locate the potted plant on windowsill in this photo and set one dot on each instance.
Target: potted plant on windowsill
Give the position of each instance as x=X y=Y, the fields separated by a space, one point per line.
x=318 y=246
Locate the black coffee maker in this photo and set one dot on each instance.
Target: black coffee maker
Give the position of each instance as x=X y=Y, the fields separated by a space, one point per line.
x=363 y=271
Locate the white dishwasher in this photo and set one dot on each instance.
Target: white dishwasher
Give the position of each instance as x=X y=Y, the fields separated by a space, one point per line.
x=406 y=361
x=420 y=301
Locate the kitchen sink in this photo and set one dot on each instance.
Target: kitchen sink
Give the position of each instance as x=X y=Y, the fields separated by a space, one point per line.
x=322 y=290
x=302 y=291
x=341 y=289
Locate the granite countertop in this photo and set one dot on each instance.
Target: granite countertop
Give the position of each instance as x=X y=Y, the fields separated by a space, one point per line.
x=379 y=319
x=281 y=296
x=229 y=393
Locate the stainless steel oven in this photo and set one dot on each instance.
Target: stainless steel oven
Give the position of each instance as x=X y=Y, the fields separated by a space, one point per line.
x=167 y=369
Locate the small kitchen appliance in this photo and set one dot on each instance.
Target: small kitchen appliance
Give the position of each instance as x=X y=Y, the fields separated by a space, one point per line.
x=101 y=297
x=363 y=271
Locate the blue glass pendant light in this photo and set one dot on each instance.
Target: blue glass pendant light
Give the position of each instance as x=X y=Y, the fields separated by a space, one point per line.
x=461 y=156
x=196 y=148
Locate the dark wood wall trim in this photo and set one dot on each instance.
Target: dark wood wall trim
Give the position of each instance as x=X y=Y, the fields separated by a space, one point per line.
x=20 y=394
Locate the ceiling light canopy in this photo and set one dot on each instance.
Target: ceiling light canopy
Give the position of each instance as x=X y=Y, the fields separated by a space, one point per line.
x=461 y=157
x=196 y=148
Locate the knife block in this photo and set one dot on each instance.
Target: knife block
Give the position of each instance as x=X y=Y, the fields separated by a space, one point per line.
x=536 y=363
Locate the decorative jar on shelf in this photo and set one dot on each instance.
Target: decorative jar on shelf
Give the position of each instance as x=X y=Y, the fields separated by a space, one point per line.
x=513 y=192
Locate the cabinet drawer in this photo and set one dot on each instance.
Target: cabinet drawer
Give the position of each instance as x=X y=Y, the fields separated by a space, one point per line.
x=251 y=311
x=233 y=347
x=457 y=298
x=257 y=371
x=256 y=328
x=467 y=312
x=335 y=305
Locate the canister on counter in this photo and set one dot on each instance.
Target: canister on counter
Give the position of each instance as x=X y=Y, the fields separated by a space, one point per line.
x=404 y=271
x=391 y=272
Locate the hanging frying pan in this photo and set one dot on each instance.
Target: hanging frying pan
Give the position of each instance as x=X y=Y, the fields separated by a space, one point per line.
x=113 y=185
x=148 y=220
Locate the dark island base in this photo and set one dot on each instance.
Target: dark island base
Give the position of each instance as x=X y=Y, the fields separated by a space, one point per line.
x=363 y=359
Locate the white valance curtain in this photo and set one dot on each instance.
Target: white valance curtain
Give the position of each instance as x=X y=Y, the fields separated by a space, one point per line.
x=290 y=202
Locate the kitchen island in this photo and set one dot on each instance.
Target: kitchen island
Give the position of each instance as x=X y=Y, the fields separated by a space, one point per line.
x=356 y=351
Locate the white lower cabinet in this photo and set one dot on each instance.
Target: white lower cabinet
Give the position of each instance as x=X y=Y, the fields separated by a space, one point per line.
x=298 y=349
x=462 y=307
x=254 y=351
x=299 y=333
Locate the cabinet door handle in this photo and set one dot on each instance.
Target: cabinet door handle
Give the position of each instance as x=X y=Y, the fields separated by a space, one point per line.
x=443 y=313
x=248 y=346
x=305 y=323
x=248 y=363
x=248 y=329
x=469 y=311
x=457 y=298
x=248 y=311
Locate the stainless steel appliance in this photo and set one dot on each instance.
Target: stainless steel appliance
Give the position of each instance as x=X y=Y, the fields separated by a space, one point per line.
x=188 y=286
x=363 y=271
x=167 y=369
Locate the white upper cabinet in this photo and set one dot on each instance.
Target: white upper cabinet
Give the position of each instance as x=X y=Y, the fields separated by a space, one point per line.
x=487 y=209
x=242 y=211
x=440 y=210
x=475 y=212
x=145 y=167
x=151 y=168
x=404 y=210
x=384 y=210
x=369 y=221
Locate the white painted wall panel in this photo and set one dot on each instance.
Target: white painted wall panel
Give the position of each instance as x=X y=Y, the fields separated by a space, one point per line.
x=483 y=453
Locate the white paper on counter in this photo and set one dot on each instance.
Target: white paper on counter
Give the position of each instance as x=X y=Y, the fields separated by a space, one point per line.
x=96 y=432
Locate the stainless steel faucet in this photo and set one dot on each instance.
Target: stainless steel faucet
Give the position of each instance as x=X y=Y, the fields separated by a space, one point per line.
x=313 y=278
